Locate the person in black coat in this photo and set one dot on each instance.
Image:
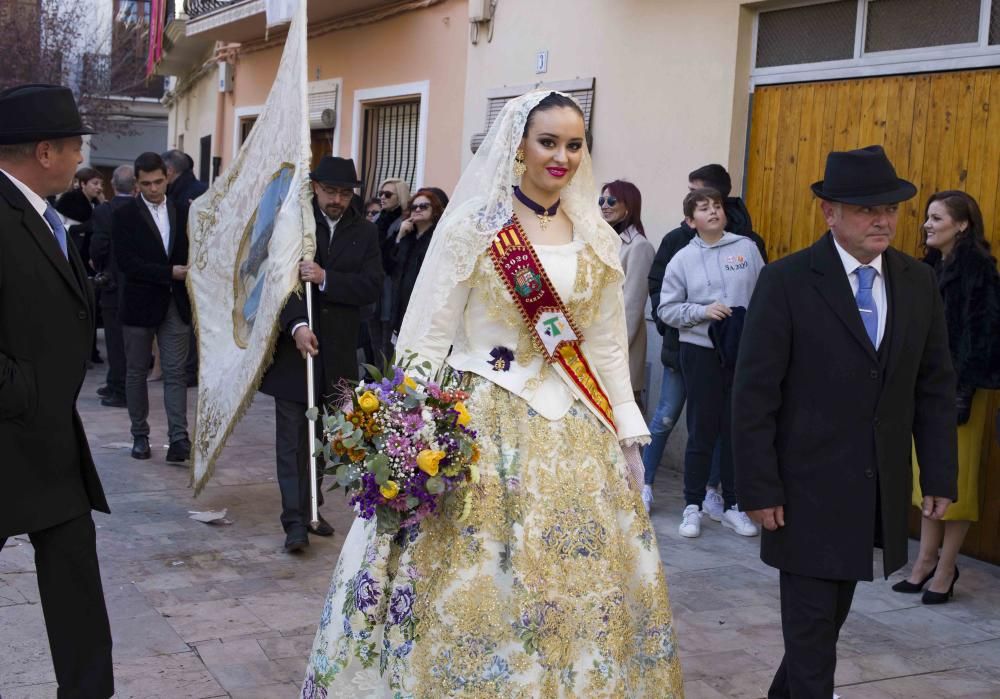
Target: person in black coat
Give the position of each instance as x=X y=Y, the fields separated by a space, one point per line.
x=843 y=364
x=107 y=279
x=48 y=482
x=407 y=255
x=346 y=274
x=967 y=276
x=673 y=393
x=149 y=235
x=394 y=193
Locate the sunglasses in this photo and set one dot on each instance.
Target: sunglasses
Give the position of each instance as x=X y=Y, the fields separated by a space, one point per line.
x=373 y=213
x=610 y=201
x=386 y=195
x=420 y=207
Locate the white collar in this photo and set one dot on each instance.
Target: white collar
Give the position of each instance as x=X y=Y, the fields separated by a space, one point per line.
x=37 y=203
x=331 y=223
x=151 y=205
x=851 y=263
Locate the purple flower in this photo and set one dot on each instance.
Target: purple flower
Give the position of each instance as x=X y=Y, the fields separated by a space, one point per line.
x=310 y=690
x=401 y=604
x=397 y=445
x=366 y=592
x=412 y=422
x=500 y=359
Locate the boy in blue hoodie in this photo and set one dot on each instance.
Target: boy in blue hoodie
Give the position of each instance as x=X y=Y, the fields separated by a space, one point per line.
x=715 y=273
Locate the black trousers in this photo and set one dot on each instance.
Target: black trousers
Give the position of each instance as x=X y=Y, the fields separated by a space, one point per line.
x=115 y=346
x=812 y=612
x=709 y=423
x=76 y=619
x=292 y=443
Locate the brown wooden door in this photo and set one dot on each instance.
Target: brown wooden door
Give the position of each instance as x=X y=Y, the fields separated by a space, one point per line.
x=941 y=131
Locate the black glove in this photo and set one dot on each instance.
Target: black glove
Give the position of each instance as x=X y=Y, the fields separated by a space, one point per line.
x=963 y=403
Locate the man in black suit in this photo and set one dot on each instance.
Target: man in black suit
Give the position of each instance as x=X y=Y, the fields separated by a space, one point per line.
x=107 y=279
x=48 y=483
x=151 y=247
x=843 y=365
x=346 y=274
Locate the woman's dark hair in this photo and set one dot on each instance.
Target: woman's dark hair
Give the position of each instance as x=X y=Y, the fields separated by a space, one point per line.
x=697 y=196
x=374 y=200
x=963 y=209
x=629 y=195
x=436 y=207
x=552 y=100
x=86 y=174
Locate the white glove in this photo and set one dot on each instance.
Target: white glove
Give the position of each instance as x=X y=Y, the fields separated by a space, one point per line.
x=634 y=469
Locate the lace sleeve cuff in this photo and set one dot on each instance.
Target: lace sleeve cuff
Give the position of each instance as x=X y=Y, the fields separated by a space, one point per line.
x=631 y=424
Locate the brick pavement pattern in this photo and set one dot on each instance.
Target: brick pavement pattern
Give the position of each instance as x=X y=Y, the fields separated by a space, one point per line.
x=200 y=611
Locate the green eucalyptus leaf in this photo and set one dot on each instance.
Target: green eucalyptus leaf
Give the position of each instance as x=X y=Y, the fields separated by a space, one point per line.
x=435 y=485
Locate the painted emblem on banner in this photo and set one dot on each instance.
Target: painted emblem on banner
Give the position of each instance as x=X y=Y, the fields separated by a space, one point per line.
x=552 y=328
x=251 y=265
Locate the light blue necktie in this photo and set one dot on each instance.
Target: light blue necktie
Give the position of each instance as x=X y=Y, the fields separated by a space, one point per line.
x=866 y=302
x=58 y=229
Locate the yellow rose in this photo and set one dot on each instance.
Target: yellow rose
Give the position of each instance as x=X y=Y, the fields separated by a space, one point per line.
x=389 y=490
x=407 y=383
x=463 y=415
x=428 y=461
x=368 y=402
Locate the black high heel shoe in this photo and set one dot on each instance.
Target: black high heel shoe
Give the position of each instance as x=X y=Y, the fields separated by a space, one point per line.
x=931 y=597
x=912 y=588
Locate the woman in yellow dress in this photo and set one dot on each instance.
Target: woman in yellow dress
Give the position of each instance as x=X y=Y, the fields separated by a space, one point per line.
x=969 y=283
x=552 y=586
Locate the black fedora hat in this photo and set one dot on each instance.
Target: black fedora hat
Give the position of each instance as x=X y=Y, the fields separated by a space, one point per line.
x=862 y=177
x=336 y=172
x=30 y=113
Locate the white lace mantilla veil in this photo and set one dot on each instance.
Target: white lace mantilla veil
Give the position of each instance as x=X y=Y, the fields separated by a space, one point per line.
x=481 y=205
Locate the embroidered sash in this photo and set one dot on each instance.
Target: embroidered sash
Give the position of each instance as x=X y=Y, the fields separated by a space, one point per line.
x=541 y=308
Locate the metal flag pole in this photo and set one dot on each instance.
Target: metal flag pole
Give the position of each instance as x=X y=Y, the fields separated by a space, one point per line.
x=313 y=416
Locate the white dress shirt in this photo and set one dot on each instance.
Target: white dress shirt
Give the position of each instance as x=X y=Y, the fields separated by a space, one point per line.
x=37 y=203
x=878 y=287
x=162 y=220
x=332 y=225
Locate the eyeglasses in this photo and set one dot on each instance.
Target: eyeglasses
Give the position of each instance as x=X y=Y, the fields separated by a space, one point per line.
x=610 y=201
x=386 y=195
x=373 y=213
x=420 y=207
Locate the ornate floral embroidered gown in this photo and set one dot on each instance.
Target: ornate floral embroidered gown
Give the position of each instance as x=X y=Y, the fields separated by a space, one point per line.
x=551 y=587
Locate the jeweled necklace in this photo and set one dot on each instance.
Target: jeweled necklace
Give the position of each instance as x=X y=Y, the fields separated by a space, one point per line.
x=544 y=215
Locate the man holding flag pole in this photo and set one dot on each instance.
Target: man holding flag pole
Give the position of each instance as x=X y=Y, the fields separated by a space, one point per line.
x=265 y=227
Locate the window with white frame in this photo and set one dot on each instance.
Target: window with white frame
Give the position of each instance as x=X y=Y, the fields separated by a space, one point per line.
x=843 y=38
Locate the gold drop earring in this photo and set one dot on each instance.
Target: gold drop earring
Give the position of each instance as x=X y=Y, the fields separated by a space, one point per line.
x=519 y=167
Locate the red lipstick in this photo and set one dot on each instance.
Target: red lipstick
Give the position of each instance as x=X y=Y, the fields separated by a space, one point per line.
x=557 y=171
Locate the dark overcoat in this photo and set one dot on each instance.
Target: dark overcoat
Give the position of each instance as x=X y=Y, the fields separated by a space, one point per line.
x=146 y=267
x=47 y=475
x=824 y=425
x=354 y=274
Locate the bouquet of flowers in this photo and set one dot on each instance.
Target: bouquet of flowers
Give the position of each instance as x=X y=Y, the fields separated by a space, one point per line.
x=399 y=444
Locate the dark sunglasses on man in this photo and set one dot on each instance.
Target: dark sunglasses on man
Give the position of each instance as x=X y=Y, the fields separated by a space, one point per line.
x=610 y=201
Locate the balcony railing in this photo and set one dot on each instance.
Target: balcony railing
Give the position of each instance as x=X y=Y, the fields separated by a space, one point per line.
x=196 y=8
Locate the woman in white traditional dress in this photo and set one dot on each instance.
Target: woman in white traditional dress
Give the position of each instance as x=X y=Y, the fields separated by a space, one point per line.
x=552 y=586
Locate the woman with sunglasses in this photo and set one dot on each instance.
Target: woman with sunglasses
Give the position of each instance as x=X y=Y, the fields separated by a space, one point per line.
x=412 y=242
x=394 y=196
x=621 y=206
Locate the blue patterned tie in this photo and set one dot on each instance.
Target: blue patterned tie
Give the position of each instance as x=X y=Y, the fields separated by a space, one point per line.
x=58 y=229
x=866 y=302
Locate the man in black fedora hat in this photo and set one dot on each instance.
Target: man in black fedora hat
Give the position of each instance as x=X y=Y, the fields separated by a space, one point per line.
x=48 y=482
x=346 y=274
x=843 y=366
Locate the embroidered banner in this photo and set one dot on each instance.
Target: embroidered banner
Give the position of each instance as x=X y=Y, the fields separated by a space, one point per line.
x=248 y=233
x=541 y=308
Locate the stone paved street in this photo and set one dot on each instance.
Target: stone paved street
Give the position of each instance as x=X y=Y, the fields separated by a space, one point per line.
x=202 y=611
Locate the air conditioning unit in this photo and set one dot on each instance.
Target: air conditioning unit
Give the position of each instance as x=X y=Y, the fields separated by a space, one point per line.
x=480 y=10
x=324 y=119
x=226 y=75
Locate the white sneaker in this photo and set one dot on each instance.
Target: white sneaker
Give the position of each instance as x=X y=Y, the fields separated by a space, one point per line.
x=647 y=497
x=713 y=505
x=690 y=522
x=739 y=522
